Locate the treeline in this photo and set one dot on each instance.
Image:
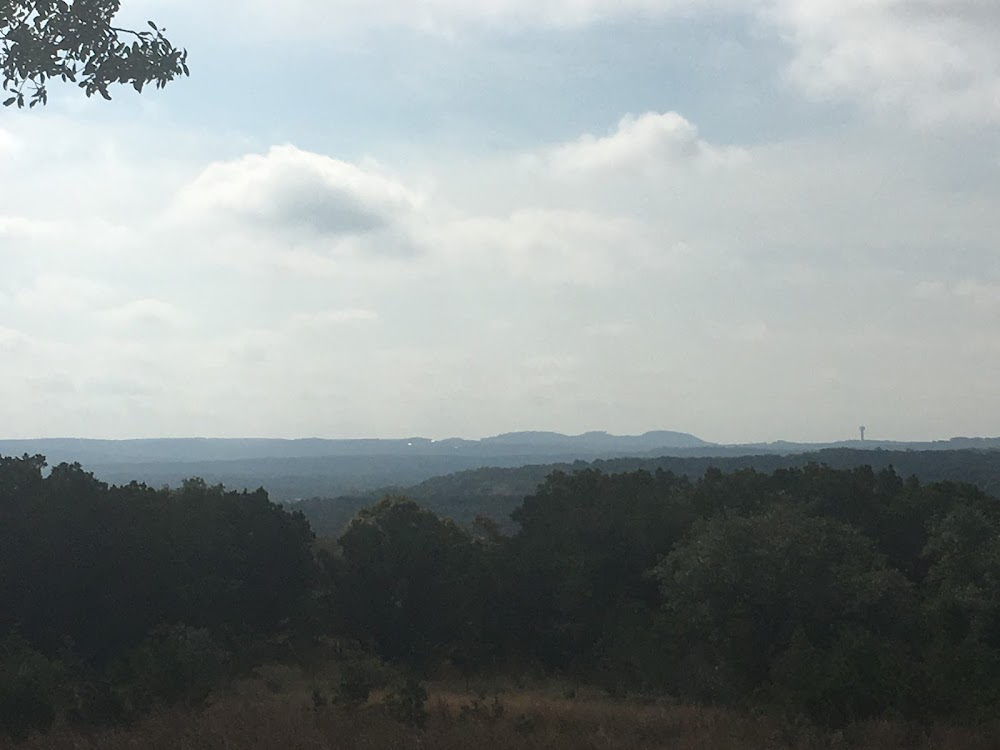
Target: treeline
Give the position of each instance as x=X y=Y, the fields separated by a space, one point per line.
x=843 y=594
x=839 y=594
x=115 y=598
x=496 y=491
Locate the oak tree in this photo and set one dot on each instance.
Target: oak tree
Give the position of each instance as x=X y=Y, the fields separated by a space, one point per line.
x=77 y=41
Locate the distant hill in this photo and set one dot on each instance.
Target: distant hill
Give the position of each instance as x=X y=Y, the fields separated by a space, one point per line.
x=955 y=443
x=592 y=442
x=306 y=468
x=164 y=450
x=496 y=491
x=291 y=469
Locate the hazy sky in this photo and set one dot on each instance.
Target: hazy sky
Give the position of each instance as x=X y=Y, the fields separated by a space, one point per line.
x=746 y=219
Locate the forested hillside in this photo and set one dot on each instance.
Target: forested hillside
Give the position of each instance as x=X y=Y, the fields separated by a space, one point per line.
x=293 y=470
x=496 y=491
x=836 y=594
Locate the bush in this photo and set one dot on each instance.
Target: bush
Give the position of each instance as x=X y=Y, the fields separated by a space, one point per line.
x=858 y=676
x=481 y=711
x=97 y=702
x=961 y=679
x=176 y=664
x=360 y=674
x=408 y=705
x=29 y=688
x=524 y=724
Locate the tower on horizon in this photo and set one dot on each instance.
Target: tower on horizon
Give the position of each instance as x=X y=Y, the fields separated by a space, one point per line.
x=862 y=428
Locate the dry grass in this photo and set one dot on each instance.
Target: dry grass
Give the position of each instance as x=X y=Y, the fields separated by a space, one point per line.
x=260 y=720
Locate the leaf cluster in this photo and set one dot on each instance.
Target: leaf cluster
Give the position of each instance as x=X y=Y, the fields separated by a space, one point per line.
x=76 y=41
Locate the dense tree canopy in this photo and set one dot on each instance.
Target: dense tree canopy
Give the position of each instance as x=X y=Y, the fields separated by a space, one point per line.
x=840 y=594
x=76 y=41
x=748 y=593
x=402 y=580
x=101 y=567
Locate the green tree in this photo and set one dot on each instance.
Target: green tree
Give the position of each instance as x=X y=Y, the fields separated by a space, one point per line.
x=742 y=590
x=29 y=687
x=76 y=41
x=579 y=561
x=103 y=566
x=962 y=605
x=403 y=580
x=963 y=584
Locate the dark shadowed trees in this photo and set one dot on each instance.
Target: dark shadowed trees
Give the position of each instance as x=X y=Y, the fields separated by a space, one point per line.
x=100 y=567
x=404 y=580
x=782 y=590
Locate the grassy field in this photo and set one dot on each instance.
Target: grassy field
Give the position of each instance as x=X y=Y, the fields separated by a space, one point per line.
x=262 y=716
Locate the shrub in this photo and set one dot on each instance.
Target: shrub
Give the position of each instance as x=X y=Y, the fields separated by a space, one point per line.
x=858 y=676
x=408 y=705
x=360 y=674
x=29 y=688
x=176 y=664
x=479 y=710
x=524 y=724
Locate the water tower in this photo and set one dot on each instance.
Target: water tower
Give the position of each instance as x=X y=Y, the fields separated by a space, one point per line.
x=862 y=428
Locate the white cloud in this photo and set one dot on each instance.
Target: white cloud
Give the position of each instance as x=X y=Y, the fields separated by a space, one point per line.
x=548 y=247
x=937 y=60
x=608 y=329
x=296 y=192
x=984 y=295
x=327 y=318
x=649 y=143
x=20 y=227
x=930 y=291
x=11 y=339
x=57 y=293
x=10 y=144
x=145 y=315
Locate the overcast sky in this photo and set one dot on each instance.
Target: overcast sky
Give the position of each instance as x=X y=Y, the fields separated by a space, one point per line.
x=745 y=219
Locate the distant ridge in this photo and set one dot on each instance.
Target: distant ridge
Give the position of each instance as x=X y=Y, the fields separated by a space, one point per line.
x=523 y=444
x=951 y=444
x=598 y=441
x=495 y=491
x=200 y=450
x=311 y=467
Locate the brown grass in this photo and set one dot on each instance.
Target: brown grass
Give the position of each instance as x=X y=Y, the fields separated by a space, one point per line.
x=260 y=720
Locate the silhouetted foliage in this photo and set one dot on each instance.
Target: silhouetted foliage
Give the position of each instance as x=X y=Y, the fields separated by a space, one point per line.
x=29 y=688
x=401 y=579
x=76 y=41
x=143 y=589
x=839 y=594
x=843 y=594
x=408 y=704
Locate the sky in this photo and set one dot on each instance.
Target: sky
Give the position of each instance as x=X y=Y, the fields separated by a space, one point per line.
x=749 y=220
